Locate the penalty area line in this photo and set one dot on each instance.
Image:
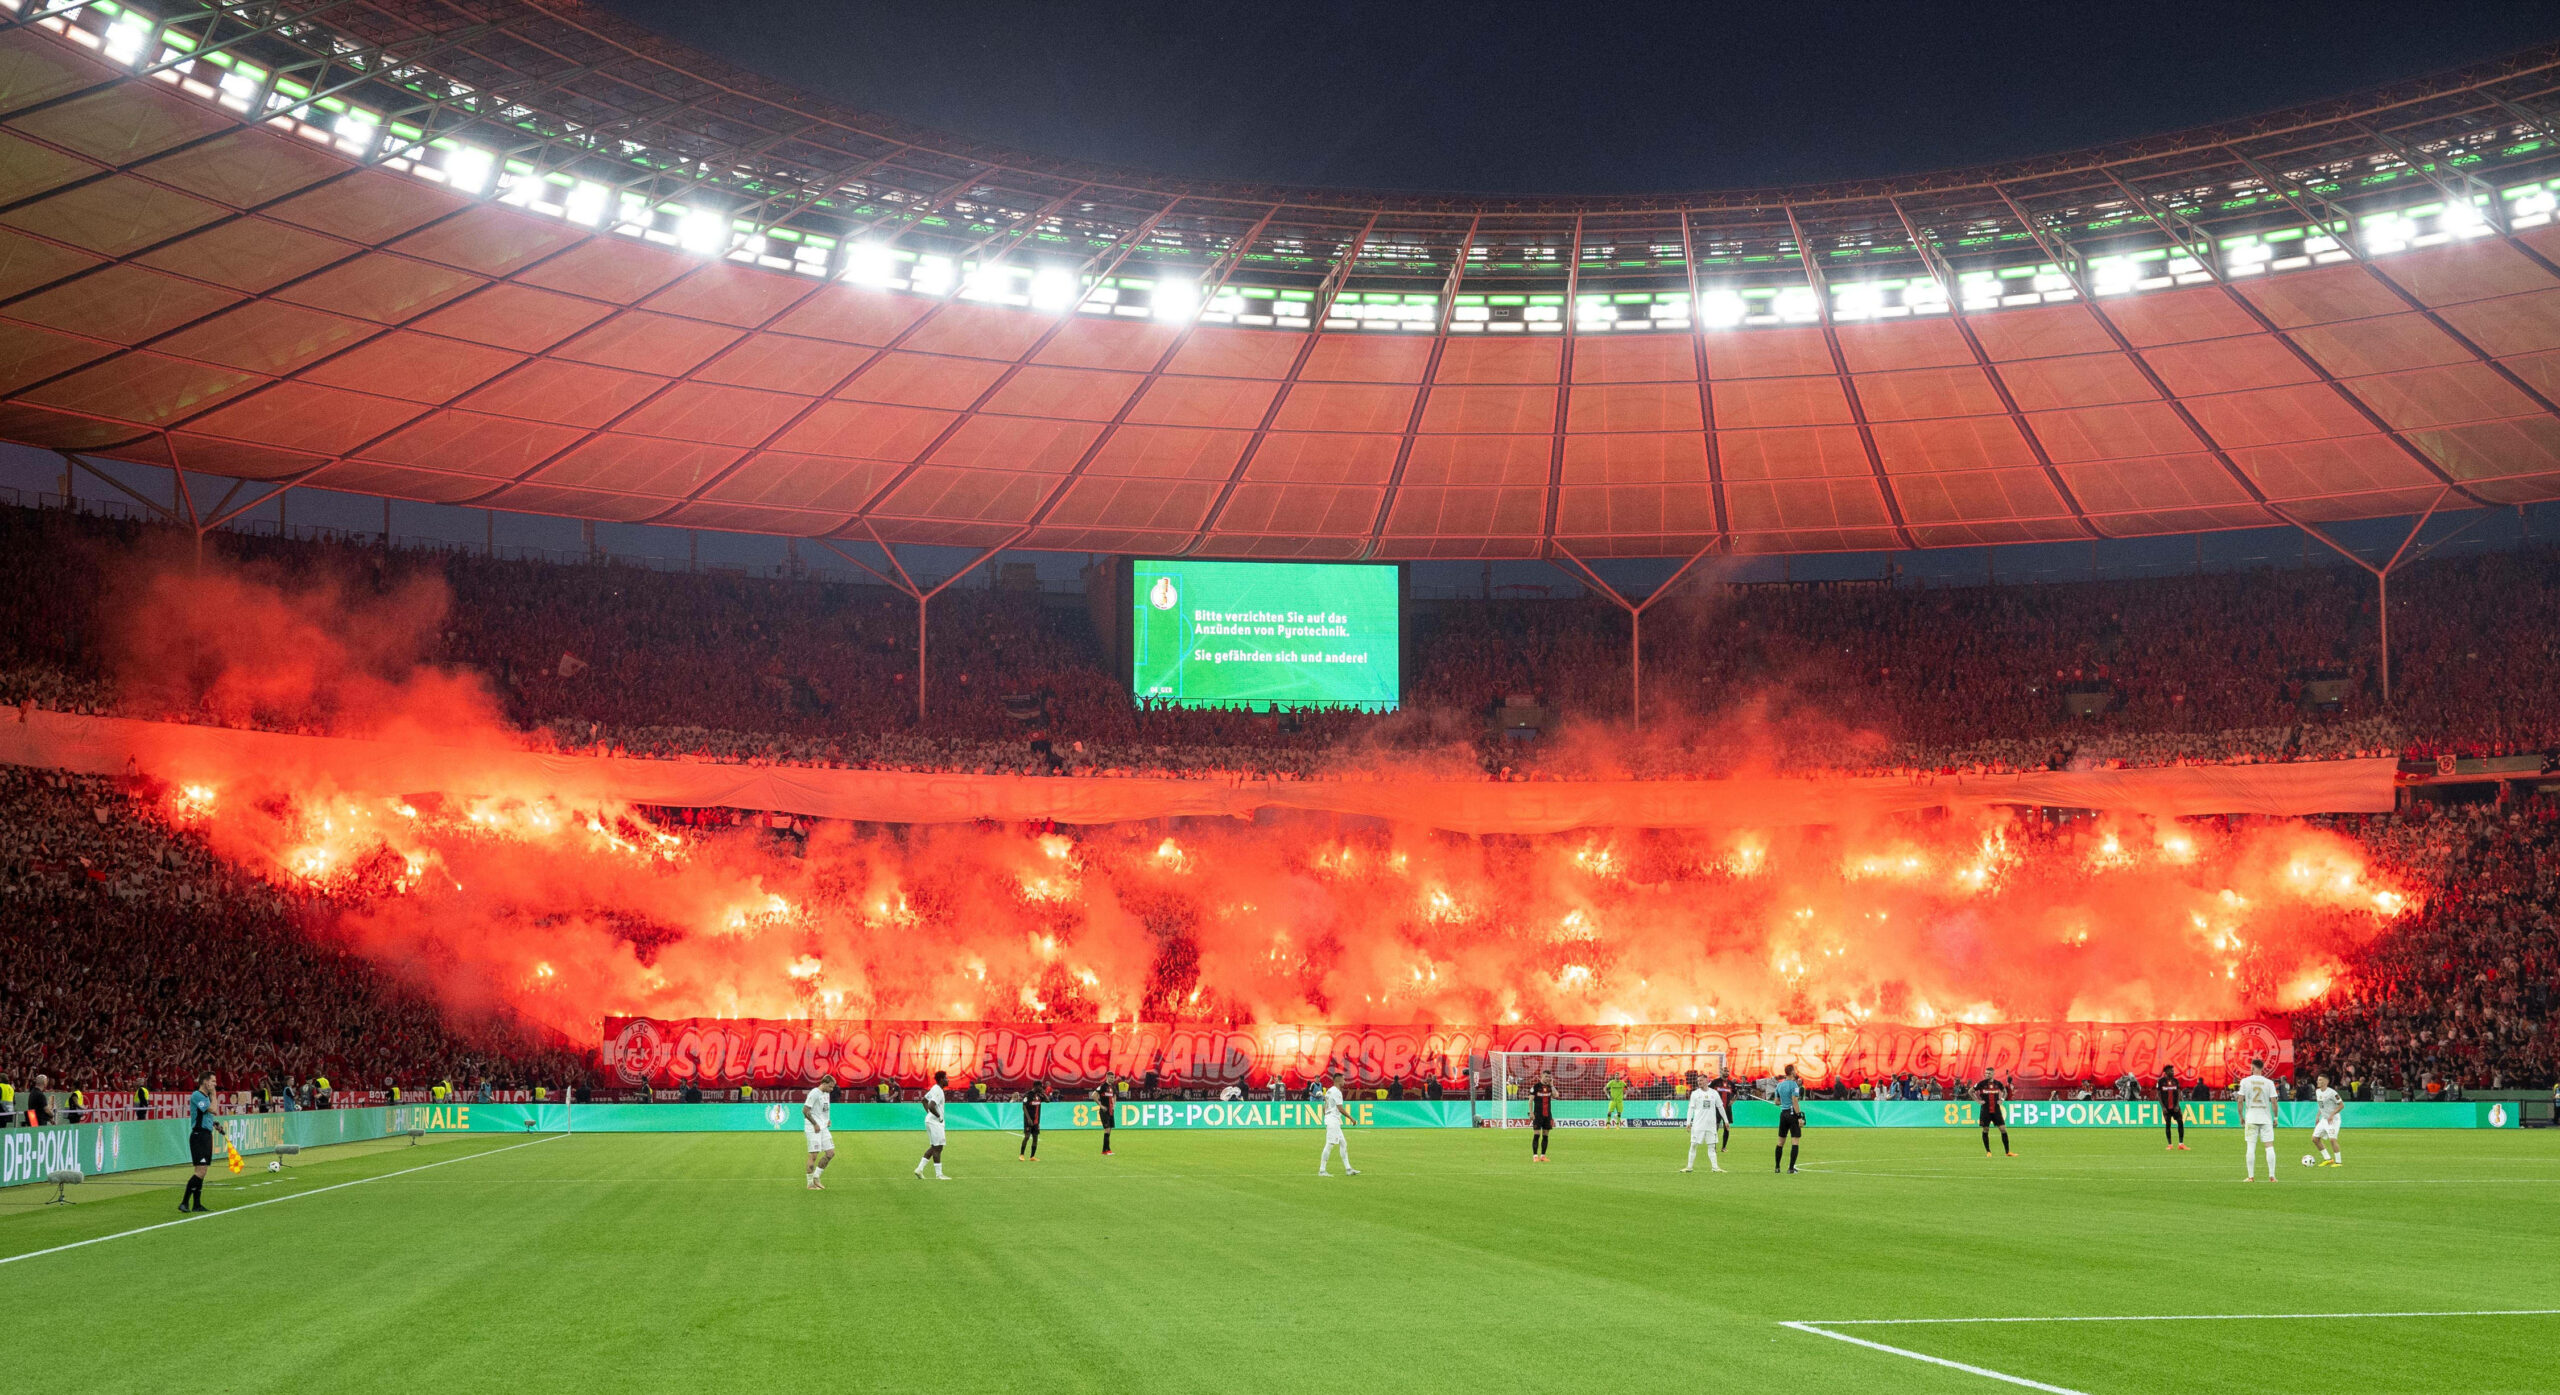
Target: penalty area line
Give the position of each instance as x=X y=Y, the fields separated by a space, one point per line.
x=1983 y=1371
x=271 y=1201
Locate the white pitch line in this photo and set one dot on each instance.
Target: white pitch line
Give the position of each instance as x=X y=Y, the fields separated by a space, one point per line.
x=2185 y=1317
x=270 y=1201
x=1984 y=1371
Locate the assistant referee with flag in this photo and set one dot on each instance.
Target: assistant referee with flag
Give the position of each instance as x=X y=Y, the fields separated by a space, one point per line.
x=201 y=1127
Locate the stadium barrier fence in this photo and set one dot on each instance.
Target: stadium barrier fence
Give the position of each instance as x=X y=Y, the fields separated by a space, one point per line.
x=26 y=1155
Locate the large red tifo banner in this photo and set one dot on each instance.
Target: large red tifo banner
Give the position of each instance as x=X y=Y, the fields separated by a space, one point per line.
x=731 y=1052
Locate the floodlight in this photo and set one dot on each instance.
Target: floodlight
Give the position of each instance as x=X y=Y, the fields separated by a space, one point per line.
x=468 y=168
x=932 y=275
x=584 y=204
x=704 y=231
x=1720 y=309
x=355 y=131
x=869 y=264
x=2115 y=276
x=1052 y=288
x=2464 y=220
x=1859 y=301
x=1176 y=298
x=126 y=41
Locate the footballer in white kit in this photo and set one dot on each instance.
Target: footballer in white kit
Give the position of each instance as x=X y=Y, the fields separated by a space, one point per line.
x=1706 y=1116
x=2257 y=1096
x=933 y=1127
x=1333 y=1115
x=814 y=1126
x=2324 y=1129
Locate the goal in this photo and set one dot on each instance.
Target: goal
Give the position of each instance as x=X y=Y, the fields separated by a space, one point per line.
x=1658 y=1084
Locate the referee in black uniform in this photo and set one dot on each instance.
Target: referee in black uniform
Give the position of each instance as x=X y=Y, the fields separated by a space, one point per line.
x=201 y=1127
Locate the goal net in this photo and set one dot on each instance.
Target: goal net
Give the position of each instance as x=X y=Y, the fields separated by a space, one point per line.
x=1657 y=1085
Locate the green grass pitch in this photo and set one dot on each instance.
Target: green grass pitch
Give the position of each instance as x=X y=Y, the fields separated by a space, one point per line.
x=1200 y=1261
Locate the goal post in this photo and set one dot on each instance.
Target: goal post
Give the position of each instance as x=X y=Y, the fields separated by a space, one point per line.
x=1657 y=1085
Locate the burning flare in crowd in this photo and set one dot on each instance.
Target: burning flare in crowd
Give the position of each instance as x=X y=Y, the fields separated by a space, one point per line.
x=567 y=909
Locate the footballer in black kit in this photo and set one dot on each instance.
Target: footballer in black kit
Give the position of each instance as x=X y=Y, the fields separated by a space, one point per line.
x=2173 y=1116
x=1542 y=1114
x=1030 y=1149
x=1990 y=1113
x=1106 y=1109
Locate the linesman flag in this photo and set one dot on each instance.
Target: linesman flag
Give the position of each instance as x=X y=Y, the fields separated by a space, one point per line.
x=234 y=1150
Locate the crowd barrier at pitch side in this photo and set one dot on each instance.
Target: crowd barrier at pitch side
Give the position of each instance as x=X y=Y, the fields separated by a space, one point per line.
x=26 y=1155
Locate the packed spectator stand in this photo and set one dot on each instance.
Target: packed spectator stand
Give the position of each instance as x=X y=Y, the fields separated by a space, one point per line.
x=137 y=957
x=2264 y=665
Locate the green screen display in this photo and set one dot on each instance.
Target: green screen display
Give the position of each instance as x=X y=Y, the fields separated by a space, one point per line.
x=1259 y=634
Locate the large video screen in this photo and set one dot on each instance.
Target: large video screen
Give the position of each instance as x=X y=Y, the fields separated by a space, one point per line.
x=1260 y=634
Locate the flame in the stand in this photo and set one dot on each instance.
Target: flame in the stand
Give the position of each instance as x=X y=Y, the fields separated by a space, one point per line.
x=576 y=910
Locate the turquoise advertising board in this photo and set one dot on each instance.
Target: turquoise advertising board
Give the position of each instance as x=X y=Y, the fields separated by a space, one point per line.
x=2035 y=1114
x=26 y=1155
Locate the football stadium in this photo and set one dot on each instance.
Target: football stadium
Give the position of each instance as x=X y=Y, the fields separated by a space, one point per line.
x=631 y=682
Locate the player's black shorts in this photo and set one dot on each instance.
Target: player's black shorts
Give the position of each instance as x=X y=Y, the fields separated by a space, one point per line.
x=1031 y=1126
x=1991 y=1116
x=1790 y=1123
x=200 y=1147
x=1110 y=1118
x=1543 y=1121
x=2170 y=1109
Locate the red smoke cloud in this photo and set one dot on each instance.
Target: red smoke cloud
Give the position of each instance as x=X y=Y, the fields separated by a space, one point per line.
x=570 y=910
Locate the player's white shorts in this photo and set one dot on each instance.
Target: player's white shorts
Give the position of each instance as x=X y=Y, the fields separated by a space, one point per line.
x=2257 y=1133
x=1700 y=1130
x=2325 y=1129
x=820 y=1140
x=933 y=1133
x=1332 y=1134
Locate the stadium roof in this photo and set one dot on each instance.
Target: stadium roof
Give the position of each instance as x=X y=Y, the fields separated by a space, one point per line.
x=517 y=253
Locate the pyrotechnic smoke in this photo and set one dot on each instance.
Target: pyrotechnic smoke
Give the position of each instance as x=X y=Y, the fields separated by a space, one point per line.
x=568 y=909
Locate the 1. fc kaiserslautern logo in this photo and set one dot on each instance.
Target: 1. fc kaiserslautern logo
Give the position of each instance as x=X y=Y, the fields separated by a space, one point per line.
x=635 y=1049
x=1162 y=595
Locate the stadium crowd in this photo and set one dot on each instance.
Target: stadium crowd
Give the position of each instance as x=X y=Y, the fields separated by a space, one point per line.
x=1867 y=678
x=137 y=957
x=2461 y=992
x=134 y=955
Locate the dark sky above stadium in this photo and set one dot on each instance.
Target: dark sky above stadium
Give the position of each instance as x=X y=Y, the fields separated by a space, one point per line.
x=1580 y=98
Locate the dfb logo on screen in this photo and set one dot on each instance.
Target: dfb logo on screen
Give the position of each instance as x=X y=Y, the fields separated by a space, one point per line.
x=2497 y=1116
x=1162 y=596
x=774 y=1114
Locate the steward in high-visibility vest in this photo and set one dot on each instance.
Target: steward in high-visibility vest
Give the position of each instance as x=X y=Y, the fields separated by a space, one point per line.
x=79 y=1109
x=8 y=1104
x=746 y=1094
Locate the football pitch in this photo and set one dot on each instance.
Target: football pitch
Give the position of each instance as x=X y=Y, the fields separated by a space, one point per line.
x=1899 y=1259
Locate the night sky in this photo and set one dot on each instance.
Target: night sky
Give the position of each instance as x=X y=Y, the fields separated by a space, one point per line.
x=1580 y=98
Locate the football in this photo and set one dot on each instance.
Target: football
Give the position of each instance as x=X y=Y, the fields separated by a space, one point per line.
x=275 y=1164
x=2308 y=1161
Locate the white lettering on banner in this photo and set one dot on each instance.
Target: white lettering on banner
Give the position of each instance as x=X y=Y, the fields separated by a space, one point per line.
x=26 y=1155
